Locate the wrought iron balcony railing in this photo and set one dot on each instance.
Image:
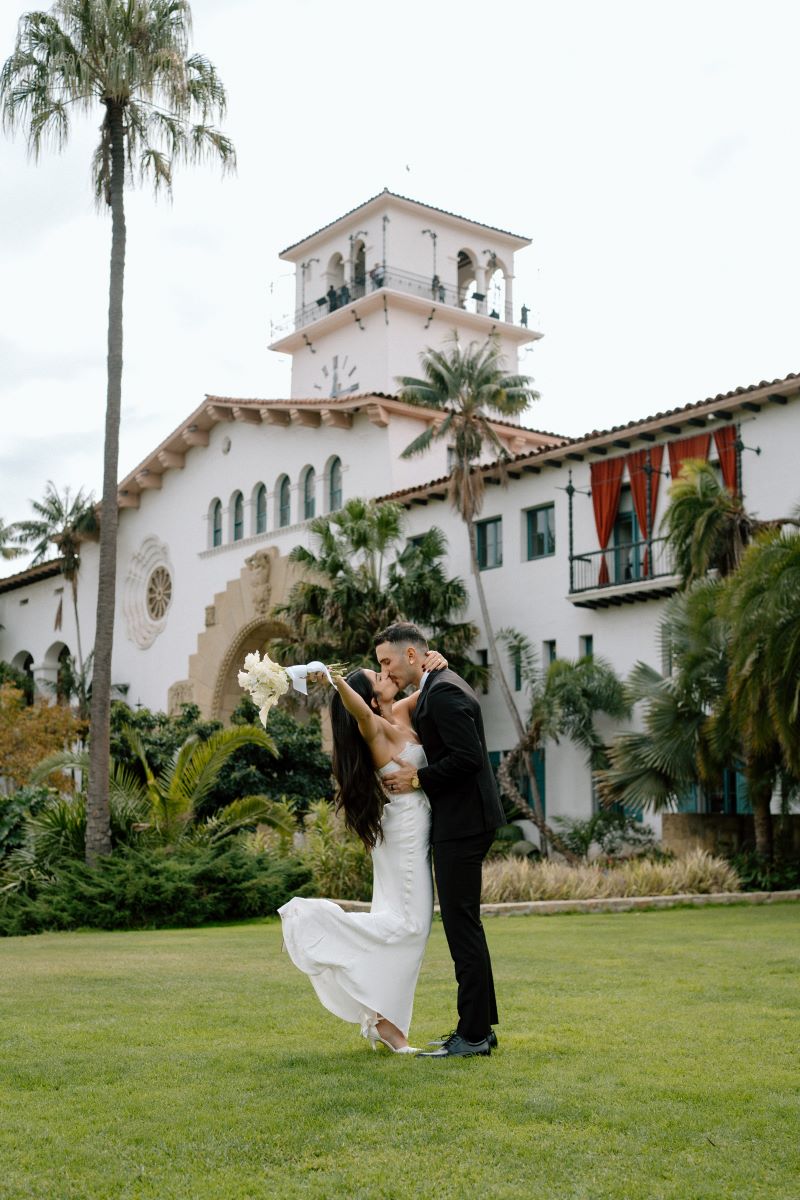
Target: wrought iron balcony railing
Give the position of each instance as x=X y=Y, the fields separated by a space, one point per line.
x=426 y=286
x=628 y=563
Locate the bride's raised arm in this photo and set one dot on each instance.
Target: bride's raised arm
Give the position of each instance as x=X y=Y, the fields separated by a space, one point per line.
x=368 y=721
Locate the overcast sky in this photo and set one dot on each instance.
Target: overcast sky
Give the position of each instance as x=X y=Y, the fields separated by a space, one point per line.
x=650 y=150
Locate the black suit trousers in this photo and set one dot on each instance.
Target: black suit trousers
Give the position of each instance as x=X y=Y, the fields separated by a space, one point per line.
x=457 y=865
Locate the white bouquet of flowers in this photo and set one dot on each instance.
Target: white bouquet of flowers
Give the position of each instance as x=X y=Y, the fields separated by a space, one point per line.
x=267 y=681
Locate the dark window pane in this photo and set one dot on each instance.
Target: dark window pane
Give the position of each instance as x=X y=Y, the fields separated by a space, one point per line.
x=285 y=500
x=489 y=535
x=335 y=495
x=238 y=518
x=309 y=488
x=541 y=531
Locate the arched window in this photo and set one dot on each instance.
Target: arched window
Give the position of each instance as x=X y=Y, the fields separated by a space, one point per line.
x=497 y=293
x=335 y=485
x=238 y=516
x=216 y=523
x=65 y=676
x=24 y=662
x=467 y=284
x=359 y=268
x=309 y=493
x=261 y=509
x=284 y=502
x=338 y=292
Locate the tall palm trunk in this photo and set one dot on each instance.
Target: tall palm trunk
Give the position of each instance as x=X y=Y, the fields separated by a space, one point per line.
x=760 y=794
x=98 y=827
x=74 y=584
x=537 y=812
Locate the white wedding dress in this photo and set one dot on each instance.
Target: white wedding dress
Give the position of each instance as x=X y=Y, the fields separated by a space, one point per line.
x=365 y=965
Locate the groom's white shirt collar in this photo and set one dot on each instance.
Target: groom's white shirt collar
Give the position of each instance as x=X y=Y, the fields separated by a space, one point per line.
x=424 y=680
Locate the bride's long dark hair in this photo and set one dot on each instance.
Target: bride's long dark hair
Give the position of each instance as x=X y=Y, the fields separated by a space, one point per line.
x=361 y=797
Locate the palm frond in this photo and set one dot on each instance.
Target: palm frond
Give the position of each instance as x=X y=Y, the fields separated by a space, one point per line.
x=201 y=769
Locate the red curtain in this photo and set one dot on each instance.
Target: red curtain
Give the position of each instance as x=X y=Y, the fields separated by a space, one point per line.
x=693 y=447
x=606 y=485
x=637 y=473
x=725 y=440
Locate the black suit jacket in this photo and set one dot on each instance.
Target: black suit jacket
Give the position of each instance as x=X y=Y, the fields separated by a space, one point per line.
x=458 y=780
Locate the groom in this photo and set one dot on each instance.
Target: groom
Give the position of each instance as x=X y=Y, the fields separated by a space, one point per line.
x=465 y=811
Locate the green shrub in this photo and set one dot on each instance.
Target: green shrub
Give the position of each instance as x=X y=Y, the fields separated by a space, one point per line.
x=14 y=812
x=340 y=867
x=161 y=735
x=609 y=829
x=758 y=876
x=300 y=772
x=19 y=679
x=154 y=887
x=504 y=839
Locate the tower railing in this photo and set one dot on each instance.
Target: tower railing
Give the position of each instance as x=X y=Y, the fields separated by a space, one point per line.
x=427 y=287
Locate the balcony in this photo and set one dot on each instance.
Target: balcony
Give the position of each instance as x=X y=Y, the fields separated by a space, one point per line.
x=427 y=287
x=637 y=571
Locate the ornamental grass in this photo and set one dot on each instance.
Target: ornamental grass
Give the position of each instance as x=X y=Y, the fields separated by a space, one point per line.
x=509 y=880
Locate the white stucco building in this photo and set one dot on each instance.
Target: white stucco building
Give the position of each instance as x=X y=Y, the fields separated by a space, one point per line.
x=208 y=519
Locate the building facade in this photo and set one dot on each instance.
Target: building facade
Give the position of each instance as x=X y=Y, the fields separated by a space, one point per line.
x=570 y=548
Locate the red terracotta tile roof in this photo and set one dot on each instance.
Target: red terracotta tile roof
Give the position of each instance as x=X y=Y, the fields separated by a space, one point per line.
x=204 y=418
x=43 y=570
x=755 y=394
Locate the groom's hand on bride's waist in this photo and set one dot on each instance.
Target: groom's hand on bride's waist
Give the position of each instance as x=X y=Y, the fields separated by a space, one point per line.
x=401 y=780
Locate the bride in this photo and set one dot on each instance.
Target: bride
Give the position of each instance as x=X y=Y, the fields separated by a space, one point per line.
x=364 y=966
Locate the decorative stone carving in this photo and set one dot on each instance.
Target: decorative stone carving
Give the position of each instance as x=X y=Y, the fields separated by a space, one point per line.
x=180 y=693
x=260 y=565
x=211 y=615
x=147 y=592
x=159 y=593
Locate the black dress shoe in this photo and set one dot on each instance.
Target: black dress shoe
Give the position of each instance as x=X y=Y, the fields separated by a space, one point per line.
x=491 y=1038
x=458 y=1047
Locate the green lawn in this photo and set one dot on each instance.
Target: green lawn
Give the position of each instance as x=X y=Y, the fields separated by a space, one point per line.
x=642 y=1055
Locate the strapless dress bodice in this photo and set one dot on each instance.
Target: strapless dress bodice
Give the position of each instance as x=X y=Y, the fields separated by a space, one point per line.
x=411 y=753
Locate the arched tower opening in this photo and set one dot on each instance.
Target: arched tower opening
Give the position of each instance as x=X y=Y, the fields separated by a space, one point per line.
x=467 y=281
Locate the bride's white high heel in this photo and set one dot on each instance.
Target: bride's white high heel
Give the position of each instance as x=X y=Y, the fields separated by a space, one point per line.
x=370 y=1032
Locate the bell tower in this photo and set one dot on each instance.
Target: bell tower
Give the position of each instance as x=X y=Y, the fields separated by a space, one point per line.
x=391 y=278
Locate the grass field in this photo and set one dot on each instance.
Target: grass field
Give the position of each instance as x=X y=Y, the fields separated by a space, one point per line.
x=642 y=1055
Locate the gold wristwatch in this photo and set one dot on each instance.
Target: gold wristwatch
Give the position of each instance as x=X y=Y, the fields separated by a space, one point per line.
x=415 y=781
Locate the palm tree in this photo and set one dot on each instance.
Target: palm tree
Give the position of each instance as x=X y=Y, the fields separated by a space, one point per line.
x=362 y=574
x=9 y=548
x=683 y=742
x=65 y=521
x=707 y=527
x=763 y=607
x=165 y=806
x=699 y=718
x=565 y=701
x=468 y=386
x=130 y=57
x=175 y=795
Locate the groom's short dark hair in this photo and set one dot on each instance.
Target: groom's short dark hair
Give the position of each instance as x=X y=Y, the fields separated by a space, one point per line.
x=402 y=631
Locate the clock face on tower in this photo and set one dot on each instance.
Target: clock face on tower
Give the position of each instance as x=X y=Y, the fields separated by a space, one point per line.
x=338 y=377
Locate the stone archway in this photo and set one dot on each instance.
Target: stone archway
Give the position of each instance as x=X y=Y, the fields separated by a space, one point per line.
x=239 y=620
x=227 y=692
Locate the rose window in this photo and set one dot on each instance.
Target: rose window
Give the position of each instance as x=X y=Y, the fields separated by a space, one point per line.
x=147 y=592
x=159 y=593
